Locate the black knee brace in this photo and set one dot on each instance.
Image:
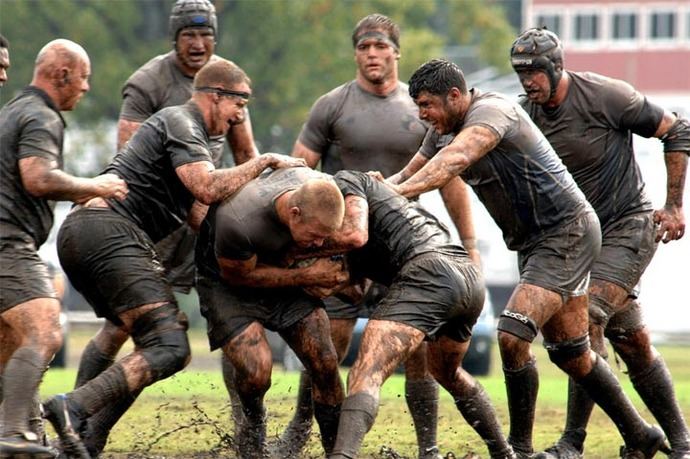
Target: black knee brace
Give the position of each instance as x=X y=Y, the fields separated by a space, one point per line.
x=563 y=351
x=161 y=336
x=624 y=323
x=518 y=325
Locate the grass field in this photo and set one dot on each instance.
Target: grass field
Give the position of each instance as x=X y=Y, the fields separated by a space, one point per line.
x=188 y=414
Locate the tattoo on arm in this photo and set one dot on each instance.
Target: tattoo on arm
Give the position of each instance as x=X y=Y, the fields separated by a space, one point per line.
x=676 y=170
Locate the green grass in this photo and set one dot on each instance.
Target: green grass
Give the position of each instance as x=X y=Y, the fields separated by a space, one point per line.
x=188 y=414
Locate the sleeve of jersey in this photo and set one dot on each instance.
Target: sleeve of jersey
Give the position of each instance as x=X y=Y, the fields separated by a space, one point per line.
x=315 y=133
x=627 y=109
x=430 y=145
x=137 y=104
x=231 y=238
x=351 y=183
x=40 y=137
x=186 y=144
x=498 y=116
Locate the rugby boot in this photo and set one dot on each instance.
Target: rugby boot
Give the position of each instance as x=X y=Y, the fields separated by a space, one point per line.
x=561 y=450
x=430 y=453
x=387 y=452
x=24 y=446
x=655 y=441
x=523 y=454
x=67 y=423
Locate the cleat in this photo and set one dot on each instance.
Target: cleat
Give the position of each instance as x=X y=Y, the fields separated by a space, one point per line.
x=24 y=445
x=387 y=452
x=655 y=441
x=66 y=422
x=430 y=453
x=561 y=450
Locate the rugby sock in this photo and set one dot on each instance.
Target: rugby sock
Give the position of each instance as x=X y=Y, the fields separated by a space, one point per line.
x=422 y=401
x=103 y=390
x=36 y=420
x=479 y=413
x=327 y=417
x=297 y=432
x=357 y=415
x=655 y=387
x=251 y=438
x=603 y=387
x=100 y=424
x=580 y=407
x=235 y=402
x=522 y=386
x=92 y=363
x=22 y=377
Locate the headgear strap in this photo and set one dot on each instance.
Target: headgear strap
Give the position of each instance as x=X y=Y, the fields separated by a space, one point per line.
x=376 y=35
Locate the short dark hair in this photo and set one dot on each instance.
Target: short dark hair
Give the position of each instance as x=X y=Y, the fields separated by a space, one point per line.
x=377 y=21
x=4 y=43
x=437 y=77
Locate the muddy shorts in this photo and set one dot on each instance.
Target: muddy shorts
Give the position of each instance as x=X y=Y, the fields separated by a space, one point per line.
x=342 y=308
x=23 y=275
x=627 y=248
x=439 y=294
x=561 y=261
x=229 y=309
x=176 y=252
x=112 y=262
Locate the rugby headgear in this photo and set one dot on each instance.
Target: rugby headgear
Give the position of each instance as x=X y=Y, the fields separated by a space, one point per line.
x=539 y=49
x=192 y=13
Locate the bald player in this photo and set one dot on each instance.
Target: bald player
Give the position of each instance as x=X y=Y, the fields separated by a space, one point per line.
x=31 y=139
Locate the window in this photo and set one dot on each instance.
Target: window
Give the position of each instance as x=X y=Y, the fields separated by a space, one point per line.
x=551 y=22
x=624 y=26
x=586 y=27
x=662 y=25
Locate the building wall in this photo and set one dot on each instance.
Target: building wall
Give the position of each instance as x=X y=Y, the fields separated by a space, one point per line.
x=646 y=43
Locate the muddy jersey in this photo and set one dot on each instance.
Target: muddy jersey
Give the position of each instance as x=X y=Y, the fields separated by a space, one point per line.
x=354 y=129
x=30 y=125
x=247 y=224
x=523 y=184
x=591 y=132
x=158 y=202
x=158 y=84
x=398 y=231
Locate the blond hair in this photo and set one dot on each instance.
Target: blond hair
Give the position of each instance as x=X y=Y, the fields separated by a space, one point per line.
x=321 y=200
x=220 y=73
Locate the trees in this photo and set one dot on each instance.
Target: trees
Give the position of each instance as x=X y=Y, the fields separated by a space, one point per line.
x=293 y=50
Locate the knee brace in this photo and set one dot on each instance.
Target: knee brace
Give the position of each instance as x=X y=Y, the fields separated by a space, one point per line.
x=625 y=323
x=566 y=350
x=161 y=336
x=518 y=325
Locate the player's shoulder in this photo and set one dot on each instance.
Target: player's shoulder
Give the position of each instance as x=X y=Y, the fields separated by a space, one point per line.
x=596 y=83
x=153 y=71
